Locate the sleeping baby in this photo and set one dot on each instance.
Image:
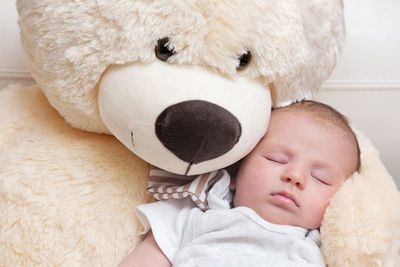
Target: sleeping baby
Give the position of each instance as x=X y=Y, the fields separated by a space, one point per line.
x=270 y=213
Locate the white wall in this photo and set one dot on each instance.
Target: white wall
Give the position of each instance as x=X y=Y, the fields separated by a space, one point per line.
x=12 y=61
x=365 y=85
x=366 y=82
x=373 y=42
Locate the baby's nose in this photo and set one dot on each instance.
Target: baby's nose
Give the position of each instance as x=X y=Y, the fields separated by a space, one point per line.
x=295 y=175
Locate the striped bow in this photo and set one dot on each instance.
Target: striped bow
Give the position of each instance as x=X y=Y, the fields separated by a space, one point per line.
x=164 y=185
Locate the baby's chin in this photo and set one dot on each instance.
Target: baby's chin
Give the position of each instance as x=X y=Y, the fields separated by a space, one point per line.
x=285 y=218
x=282 y=221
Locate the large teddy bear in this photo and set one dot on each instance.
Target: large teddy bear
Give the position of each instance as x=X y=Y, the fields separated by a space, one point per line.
x=184 y=85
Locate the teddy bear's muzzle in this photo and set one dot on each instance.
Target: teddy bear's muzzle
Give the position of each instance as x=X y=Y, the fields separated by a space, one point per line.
x=197 y=130
x=191 y=120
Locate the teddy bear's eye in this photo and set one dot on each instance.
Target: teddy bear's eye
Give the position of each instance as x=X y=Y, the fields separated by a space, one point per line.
x=162 y=50
x=244 y=60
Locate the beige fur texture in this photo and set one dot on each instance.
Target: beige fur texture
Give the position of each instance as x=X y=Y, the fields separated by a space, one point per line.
x=67 y=197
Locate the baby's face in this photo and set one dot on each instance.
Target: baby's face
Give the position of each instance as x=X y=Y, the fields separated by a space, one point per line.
x=295 y=169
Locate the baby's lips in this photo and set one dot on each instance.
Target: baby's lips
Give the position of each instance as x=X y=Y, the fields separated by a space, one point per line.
x=286 y=197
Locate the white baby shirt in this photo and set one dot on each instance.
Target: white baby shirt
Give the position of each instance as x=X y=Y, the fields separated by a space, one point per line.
x=226 y=237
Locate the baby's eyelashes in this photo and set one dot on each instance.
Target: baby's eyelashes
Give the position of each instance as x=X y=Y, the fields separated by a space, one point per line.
x=276 y=158
x=320 y=178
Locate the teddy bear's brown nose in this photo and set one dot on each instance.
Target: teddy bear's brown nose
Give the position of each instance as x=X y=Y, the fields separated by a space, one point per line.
x=196 y=130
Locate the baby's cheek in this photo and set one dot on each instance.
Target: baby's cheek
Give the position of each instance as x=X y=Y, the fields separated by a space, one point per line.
x=253 y=179
x=322 y=210
x=258 y=185
x=250 y=190
x=317 y=211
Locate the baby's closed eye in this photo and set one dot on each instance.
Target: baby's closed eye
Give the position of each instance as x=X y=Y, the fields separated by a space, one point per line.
x=277 y=158
x=321 y=177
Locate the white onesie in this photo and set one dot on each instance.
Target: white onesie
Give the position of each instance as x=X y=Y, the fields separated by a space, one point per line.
x=226 y=237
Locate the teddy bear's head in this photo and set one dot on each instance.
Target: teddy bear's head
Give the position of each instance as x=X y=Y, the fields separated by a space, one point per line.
x=186 y=85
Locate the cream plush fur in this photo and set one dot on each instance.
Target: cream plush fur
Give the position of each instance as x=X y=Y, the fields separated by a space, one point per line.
x=67 y=196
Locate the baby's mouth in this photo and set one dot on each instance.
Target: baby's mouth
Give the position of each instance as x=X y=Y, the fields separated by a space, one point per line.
x=285 y=198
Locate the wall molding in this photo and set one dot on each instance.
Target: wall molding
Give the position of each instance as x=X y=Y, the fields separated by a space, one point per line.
x=15 y=74
x=361 y=85
x=330 y=85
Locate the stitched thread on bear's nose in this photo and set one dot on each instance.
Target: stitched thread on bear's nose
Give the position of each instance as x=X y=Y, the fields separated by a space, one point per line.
x=133 y=143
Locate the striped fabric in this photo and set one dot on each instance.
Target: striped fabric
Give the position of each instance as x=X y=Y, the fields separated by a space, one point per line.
x=164 y=185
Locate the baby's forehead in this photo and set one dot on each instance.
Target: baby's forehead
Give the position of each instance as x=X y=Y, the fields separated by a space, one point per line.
x=285 y=118
x=326 y=117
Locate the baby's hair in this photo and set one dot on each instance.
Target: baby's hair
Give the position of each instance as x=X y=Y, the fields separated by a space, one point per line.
x=326 y=114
